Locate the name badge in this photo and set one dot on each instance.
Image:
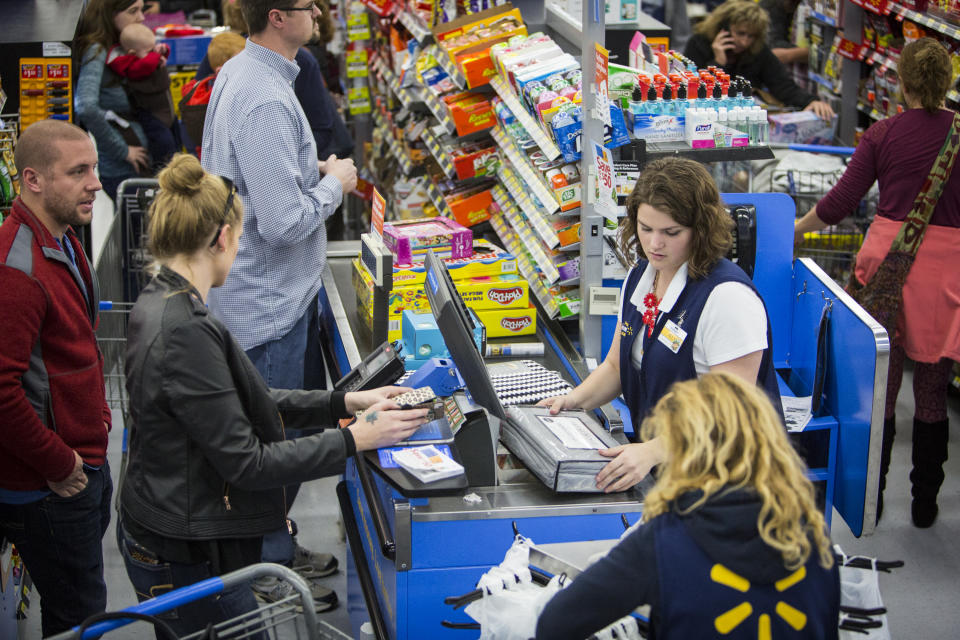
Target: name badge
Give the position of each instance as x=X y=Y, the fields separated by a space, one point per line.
x=672 y=336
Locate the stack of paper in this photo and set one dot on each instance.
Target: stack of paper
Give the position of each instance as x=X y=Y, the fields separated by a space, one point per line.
x=427 y=464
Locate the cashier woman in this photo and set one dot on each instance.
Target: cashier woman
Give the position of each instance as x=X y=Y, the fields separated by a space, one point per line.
x=685 y=310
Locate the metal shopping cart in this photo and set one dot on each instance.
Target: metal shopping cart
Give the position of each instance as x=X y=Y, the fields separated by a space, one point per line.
x=835 y=247
x=290 y=618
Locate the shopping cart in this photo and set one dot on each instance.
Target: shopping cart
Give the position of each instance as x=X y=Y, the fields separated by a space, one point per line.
x=835 y=247
x=291 y=618
x=133 y=198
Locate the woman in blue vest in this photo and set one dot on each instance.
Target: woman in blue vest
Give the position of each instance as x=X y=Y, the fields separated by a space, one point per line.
x=732 y=544
x=685 y=310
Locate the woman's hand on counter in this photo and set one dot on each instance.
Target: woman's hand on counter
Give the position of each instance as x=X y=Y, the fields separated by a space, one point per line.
x=631 y=463
x=558 y=404
x=384 y=424
x=361 y=400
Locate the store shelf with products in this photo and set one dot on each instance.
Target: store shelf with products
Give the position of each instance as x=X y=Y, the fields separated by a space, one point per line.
x=539 y=136
x=535 y=216
x=456 y=76
x=520 y=162
x=925 y=19
x=870 y=111
x=439 y=154
x=396 y=148
x=524 y=230
x=415 y=26
x=822 y=17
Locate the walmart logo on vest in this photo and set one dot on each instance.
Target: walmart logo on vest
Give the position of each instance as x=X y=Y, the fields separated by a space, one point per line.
x=731 y=619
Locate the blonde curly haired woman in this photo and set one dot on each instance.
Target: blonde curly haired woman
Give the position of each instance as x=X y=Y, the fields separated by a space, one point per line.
x=732 y=542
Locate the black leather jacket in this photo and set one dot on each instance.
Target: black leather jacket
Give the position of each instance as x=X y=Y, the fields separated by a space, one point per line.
x=207 y=458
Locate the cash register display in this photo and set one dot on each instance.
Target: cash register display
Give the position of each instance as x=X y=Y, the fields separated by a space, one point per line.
x=457 y=328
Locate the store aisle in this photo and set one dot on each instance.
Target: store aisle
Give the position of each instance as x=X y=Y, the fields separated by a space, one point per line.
x=921 y=597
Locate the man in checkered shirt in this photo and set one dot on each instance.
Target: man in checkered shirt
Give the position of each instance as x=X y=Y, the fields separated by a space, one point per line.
x=256 y=134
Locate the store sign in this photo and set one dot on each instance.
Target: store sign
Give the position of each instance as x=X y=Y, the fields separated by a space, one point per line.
x=602 y=60
x=376 y=213
x=358 y=27
x=358 y=100
x=605 y=192
x=357 y=63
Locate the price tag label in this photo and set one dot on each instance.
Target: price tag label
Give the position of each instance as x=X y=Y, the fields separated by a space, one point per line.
x=358 y=27
x=357 y=63
x=602 y=60
x=605 y=192
x=379 y=206
x=851 y=50
x=358 y=100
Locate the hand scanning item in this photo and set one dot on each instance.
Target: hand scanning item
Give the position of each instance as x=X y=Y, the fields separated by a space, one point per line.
x=360 y=400
x=73 y=483
x=385 y=424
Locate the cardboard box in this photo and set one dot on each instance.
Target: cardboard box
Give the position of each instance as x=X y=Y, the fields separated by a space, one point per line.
x=471 y=209
x=801 y=127
x=470 y=113
x=481 y=294
x=502 y=323
x=487 y=260
x=405 y=238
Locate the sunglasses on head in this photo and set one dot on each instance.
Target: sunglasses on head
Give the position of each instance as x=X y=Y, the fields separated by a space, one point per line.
x=231 y=190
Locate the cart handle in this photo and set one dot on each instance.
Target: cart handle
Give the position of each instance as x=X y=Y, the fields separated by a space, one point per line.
x=202 y=589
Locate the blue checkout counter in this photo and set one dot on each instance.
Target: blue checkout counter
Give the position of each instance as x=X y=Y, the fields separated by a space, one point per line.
x=406 y=553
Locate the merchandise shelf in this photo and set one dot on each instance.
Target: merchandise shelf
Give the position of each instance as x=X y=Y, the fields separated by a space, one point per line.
x=823 y=81
x=433 y=146
x=519 y=161
x=405 y=97
x=535 y=216
x=539 y=136
x=953 y=96
x=439 y=110
x=885 y=62
x=824 y=18
x=396 y=149
x=437 y=199
x=415 y=26
x=926 y=20
x=870 y=111
x=449 y=67
x=526 y=234
x=511 y=242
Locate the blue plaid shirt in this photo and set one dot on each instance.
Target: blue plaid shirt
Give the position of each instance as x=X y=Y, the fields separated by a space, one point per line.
x=256 y=134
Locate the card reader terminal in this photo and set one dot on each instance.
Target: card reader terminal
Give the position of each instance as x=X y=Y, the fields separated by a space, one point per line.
x=382 y=367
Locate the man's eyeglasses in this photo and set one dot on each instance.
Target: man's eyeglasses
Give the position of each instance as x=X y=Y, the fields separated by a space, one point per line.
x=310 y=7
x=231 y=190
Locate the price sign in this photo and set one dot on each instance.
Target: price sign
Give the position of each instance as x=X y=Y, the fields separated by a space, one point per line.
x=31 y=71
x=602 y=60
x=605 y=192
x=358 y=27
x=376 y=214
x=358 y=100
x=851 y=50
x=357 y=63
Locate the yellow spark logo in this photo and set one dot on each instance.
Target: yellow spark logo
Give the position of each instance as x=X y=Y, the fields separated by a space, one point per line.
x=731 y=619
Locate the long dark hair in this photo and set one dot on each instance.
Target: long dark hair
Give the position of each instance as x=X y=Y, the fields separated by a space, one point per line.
x=97 y=25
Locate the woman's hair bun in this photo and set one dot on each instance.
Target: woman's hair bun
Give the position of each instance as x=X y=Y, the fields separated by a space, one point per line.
x=183 y=175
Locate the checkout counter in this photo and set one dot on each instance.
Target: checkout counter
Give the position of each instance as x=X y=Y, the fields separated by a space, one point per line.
x=408 y=550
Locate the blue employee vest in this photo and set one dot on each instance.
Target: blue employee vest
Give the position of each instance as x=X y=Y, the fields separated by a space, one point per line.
x=701 y=598
x=661 y=367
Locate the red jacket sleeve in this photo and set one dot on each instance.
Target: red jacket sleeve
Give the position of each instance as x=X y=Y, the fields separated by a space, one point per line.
x=145 y=66
x=22 y=309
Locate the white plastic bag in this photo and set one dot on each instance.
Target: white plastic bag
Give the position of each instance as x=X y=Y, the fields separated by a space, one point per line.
x=511 y=602
x=860 y=588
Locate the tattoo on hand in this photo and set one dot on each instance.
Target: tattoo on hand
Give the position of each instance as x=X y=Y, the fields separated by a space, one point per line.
x=372 y=416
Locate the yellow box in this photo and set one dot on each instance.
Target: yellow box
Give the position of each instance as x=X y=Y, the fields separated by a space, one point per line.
x=487 y=260
x=505 y=323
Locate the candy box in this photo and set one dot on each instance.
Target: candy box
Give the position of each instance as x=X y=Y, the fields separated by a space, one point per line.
x=405 y=238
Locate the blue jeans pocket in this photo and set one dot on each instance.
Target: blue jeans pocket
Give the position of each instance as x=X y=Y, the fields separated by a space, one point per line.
x=150 y=576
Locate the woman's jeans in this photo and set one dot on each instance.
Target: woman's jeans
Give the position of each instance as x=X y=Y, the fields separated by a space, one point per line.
x=152 y=577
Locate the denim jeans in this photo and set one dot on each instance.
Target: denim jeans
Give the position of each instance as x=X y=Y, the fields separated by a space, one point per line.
x=294 y=361
x=61 y=543
x=151 y=577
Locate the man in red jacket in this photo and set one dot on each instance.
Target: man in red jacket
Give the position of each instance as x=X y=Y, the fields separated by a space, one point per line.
x=55 y=484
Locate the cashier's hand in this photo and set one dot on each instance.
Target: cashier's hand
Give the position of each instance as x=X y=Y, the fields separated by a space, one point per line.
x=360 y=400
x=821 y=109
x=385 y=424
x=343 y=170
x=631 y=463
x=558 y=404
x=73 y=483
